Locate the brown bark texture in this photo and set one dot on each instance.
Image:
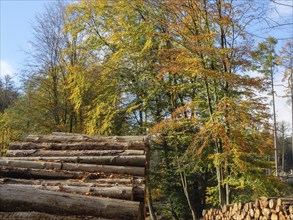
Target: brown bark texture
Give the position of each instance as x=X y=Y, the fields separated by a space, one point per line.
x=29 y=198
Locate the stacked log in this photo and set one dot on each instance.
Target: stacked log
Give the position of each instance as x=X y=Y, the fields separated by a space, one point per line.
x=262 y=209
x=73 y=176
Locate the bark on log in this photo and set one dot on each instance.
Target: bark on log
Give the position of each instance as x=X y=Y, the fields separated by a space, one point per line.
x=19 y=172
x=42 y=216
x=132 y=192
x=138 y=161
x=56 y=153
x=82 y=145
x=27 y=198
x=135 y=171
x=44 y=182
x=111 y=138
x=117 y=192
x=73 y=182
x=139 y=193
x=134 y=180
x=78 y=138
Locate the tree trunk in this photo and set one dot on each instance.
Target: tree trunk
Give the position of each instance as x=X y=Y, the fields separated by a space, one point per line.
x=291 y=75
x=28 y=198
x=186 y=193
x=283 y=151
x=275 y=125
x=150 y=205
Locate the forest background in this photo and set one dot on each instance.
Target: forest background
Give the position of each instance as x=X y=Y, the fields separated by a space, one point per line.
x=193 y=75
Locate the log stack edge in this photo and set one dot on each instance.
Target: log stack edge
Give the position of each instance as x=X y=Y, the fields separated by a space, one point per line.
x=262 y=209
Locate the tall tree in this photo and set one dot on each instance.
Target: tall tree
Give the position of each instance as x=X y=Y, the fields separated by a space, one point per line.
x=267 y=58
x=8 y=93
x=47 y=79
x=286 y=56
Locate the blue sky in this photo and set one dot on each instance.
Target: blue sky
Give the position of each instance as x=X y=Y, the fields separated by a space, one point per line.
x=17 y=17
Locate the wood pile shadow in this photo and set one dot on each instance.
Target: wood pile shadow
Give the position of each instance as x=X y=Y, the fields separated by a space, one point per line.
x=74 y=176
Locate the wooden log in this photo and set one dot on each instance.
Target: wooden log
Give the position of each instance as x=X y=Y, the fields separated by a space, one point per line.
x=79 y=138
x=257 y=213
x=60 y=153
x=225 y=208
x=113 y=138
x=132 y=192
x=59 y=138
x=257 y=203
x=278 y=208
x=107 y=138
x=122 y=180
x=18 y=172
x=266 y=212
x=139 y=193
x=246 y=207
x=46 y=182
x=42 y=216
x=281 y=216
x=77 y=146
x=285 y=209
x=27 y=198
x=251 y=212
x=274 y=216
x=272 y=203
x=74 y=182
x=118 y=192
x=240 y=205
x=247 y=217
x=138 y=161
x=135 y=171
x=284 y=201
x=264 y=202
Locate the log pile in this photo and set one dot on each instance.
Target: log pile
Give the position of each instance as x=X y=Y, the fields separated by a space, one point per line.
x=73 y=176
x=262 y=209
